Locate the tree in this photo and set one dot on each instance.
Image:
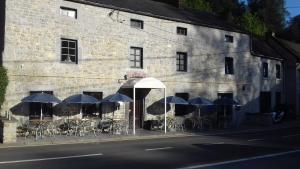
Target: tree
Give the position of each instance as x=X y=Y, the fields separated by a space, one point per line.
x=271 y=12
x=3 y=84
x=292 y=32
x=228 y=9
x=201 y=5
x=253 y=24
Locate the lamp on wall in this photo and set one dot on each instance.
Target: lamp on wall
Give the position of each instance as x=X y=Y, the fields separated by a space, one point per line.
x=124 y=78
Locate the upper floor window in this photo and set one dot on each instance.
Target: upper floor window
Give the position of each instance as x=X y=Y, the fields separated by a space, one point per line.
x=265 y=70
x=134 y=23
x=278 y=71
x=181 y=31
x=229 y=38
x=69 y=52
x=229 y=66
x=72 y=13
x=181 y=62
x=136 y=57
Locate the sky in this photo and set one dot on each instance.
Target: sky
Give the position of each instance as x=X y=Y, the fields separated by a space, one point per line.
x=293 y=6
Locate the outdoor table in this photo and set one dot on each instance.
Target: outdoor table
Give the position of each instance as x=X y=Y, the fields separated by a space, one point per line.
x=39 y=126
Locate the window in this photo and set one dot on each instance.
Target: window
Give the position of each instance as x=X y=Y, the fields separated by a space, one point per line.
x=136 y=57
x=229 y=38
x=181 y=31
x=229 y=67
x=35 y=108
x=69 y=12
x=278 y=72
x=265 y=70
x=181 y=62
x=134 y=23
x=69 y=51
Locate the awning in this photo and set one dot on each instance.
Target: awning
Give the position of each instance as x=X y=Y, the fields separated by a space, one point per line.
x=146 y=83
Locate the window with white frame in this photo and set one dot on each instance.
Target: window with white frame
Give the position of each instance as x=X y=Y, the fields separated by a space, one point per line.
x=265 y=70
x=181 y=31
x=229 y=66
x=181 y=62
x=69 y=12
x=138 y=24
x=136 y=57
x=69 y=50
x=228 y=39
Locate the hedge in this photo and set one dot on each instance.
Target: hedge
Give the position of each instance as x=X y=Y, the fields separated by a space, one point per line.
x=3 y=84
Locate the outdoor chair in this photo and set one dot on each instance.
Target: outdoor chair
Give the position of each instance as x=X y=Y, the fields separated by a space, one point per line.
x=179 y=123
x=106 y=125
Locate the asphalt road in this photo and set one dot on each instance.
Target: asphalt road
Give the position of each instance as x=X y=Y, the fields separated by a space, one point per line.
x=276 y=149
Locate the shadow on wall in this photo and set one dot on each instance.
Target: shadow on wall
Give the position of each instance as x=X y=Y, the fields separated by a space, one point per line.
x=157 y=108
x=2 y=29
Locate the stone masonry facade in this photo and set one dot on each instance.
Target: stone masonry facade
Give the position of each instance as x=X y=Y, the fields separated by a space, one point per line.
x=32 y=55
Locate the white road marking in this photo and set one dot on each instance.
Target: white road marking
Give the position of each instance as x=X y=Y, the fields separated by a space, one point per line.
x=240 y=160
x=257 y=139
x=48 y=159
x=161 y=148
x=210 y=144
x=219 y=143
x=291 y=135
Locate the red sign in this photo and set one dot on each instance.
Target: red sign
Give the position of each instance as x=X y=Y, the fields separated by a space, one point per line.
x=136 y=74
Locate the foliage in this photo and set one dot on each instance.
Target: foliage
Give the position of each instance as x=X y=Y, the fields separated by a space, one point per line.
x=3 y=84
x=253 y=24
x=200 y=5
x=228 y=9
x=292 y=31
x=271 y=12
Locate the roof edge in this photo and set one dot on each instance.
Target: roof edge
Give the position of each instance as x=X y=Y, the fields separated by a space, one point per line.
x=155 y=16
x=262 y=56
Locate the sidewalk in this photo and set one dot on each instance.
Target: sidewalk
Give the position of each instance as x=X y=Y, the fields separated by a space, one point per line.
x=142 y=135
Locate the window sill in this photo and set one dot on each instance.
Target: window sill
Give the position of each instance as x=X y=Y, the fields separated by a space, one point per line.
x=70 y=63
x=138 y=68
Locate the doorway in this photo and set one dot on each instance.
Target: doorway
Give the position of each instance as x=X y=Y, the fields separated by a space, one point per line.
x=265 y=102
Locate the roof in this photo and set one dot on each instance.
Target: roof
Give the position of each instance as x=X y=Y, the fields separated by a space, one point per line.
x=260 y=47
x=293 y=47
x=145 y=83
x=164 y=11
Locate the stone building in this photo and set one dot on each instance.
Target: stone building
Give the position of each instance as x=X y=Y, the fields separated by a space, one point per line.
x=66 y=47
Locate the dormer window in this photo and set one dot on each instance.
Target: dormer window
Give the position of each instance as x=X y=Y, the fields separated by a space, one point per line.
x=181 y=31
x=69 y=12
x=228 y=38
x=138 y=24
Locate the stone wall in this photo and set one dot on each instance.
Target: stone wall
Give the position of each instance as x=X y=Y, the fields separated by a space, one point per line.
x=32 y=55
x=8 y=131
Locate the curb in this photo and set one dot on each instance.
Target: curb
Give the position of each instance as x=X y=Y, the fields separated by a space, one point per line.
x=132 y=138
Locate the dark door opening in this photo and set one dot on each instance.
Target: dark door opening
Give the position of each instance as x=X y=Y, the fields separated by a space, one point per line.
x=139 y=113
x=181 y=110
x=228 y=109
x=265 y=102
x=277 y=100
